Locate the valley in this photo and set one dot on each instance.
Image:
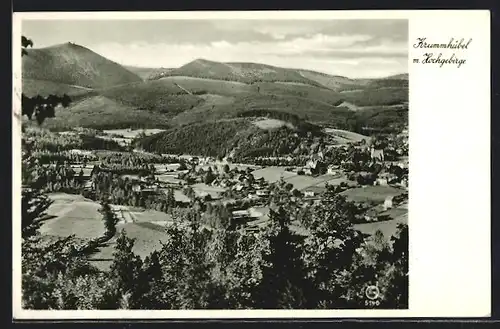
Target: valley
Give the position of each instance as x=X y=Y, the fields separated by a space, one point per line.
x=202 y=167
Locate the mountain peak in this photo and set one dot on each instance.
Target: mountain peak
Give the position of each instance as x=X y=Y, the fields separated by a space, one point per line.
x=67 y=46
x=202 y=61
x=73 y=64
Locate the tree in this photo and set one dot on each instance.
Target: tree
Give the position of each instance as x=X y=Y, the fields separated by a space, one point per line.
x=182 y=165
x=46 y=263
x=170 y=198
x=331 y=248
x=284 y=281
x=151 y=292
x=209 y=176
x=33 y=207
x=126 y=269
x=397 y=286
x=185 y=264
x=109 y=218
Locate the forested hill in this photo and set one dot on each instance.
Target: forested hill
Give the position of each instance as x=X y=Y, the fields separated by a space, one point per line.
x=240 y=137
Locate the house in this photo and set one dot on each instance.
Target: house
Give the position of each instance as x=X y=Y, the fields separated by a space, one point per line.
x=388 y=203
x=203 y=160
x=371 y=215
x=308 y=193
x=225 y=183
x=381 y=182
x=149 y=190
x=312 y=191
x=89 y=185
x=86 y=172
x=377 y=155
x=332 y=170
x=312 y=164
x=385 y=179
x=241 y=214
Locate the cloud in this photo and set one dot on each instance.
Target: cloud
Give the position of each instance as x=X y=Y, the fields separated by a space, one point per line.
x=278 y=29
x=320 y=49
x=354 y=48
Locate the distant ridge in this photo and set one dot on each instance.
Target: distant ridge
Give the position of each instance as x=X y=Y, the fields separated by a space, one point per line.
x=76 y=65
x=249 y=73
x=237 y=71
x=403 y=76
x=106 y=94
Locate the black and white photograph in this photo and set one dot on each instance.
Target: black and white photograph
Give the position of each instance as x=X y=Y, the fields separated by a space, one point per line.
x=214 y=164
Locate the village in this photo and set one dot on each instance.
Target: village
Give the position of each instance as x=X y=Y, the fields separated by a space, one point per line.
x=373 y=174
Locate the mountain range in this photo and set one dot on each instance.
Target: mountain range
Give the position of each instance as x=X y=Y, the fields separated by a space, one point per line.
x=108 y=95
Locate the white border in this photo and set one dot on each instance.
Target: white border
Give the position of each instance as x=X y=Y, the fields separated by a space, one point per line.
x=449 y=240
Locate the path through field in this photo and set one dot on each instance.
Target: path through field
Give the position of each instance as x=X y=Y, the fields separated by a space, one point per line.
x=181 y=87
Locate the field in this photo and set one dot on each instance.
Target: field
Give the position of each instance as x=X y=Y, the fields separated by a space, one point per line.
x=272 y=174
x=132 y=133
x=201 y=86
x=301 y=182
x=374 y=194
x=73 y=214
x=168 y=179
x=347 y=136
x=337 y=181
x=388 y=228
x=147 y=239
x=272 y=124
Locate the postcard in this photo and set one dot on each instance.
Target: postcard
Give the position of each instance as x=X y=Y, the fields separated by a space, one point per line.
x=269 y=164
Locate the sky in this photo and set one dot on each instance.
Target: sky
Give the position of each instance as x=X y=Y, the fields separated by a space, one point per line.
x=352 y=48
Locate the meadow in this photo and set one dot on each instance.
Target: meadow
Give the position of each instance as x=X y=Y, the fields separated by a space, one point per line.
x=372 y=194
x=273 y=174
x=347 y=136
x=74 y=214
x=132 y=133
x=388 y=228
x=301 y=182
